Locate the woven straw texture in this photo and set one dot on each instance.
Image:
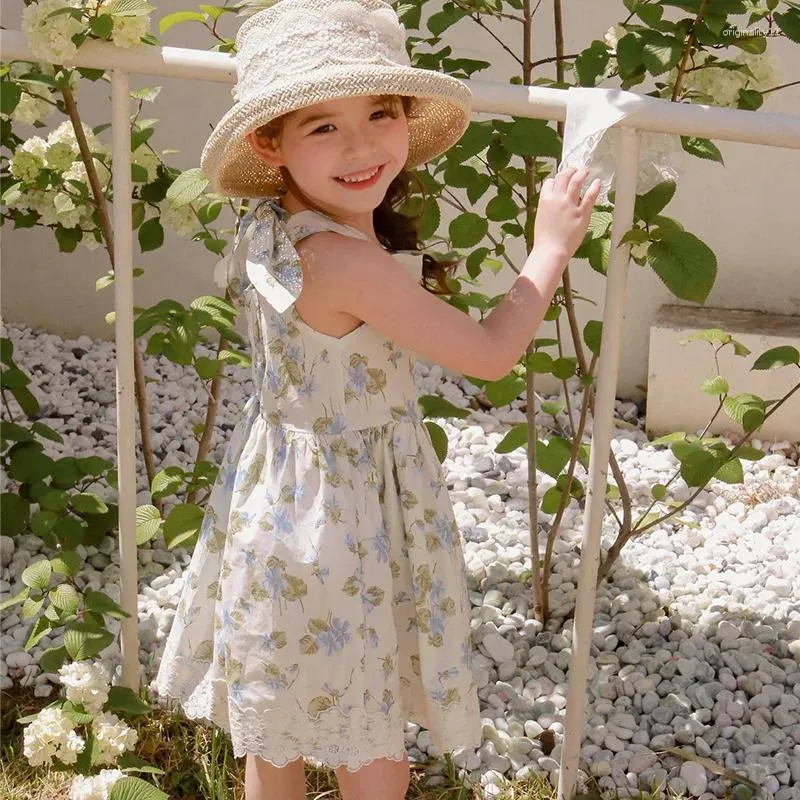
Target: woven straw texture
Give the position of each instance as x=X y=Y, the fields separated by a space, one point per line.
x=301 y=52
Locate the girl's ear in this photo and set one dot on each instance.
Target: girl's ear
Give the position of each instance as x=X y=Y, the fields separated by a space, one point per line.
x=264 y=149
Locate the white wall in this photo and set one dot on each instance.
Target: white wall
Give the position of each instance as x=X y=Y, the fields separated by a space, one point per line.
x=746 y=211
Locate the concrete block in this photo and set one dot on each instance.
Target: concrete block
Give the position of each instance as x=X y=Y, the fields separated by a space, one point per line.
x=675 y=371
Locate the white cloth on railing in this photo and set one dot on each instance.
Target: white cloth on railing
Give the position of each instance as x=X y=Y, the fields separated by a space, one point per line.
x=591 y=138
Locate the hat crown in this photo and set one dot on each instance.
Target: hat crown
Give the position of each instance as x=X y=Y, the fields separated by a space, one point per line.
x=295 y=37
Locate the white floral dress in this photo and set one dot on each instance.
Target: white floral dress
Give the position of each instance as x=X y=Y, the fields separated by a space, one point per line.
x=326 y=601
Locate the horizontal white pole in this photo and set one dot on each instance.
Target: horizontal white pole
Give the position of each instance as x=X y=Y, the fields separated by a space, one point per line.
x=650 y=114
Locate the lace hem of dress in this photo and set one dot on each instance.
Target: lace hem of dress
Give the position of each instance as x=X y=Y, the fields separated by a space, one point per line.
x=333 y=738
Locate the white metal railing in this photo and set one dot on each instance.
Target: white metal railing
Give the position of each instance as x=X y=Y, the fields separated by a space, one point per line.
x=651 y=114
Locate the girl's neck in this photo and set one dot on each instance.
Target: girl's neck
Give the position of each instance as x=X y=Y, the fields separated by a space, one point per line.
x=362 y=221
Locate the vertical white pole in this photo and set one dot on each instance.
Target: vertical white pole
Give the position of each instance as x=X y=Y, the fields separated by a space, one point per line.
x=126 y=406
x=608 y=366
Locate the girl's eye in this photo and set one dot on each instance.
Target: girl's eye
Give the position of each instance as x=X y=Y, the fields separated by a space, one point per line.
x=320 y=129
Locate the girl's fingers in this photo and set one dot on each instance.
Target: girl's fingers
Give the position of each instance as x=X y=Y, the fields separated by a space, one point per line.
x=562 y=179
x=574 y=189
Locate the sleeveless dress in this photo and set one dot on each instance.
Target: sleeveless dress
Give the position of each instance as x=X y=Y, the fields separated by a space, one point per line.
x=325 y=603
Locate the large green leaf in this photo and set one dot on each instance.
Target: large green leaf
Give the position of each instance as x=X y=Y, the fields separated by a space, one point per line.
x=466 y=230
x=433 y=405
x=687 y=265
x=438 y=439
x=531 y=137
x=591 y=63
x=85 y=641
x=789 y=22
x=182 y=524
x=132 y=788
x=778 y=357
x=650 y=204
x=552 y=457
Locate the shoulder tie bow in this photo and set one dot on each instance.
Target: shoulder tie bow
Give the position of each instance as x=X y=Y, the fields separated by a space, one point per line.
x=263 y=256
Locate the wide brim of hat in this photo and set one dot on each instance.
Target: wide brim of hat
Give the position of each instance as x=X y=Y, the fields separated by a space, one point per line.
x=439 y=120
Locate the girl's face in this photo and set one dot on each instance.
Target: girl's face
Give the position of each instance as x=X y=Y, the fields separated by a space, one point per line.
x=351 y=138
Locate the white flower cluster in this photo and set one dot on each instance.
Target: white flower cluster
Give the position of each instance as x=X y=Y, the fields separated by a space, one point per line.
x=720 y=85
x=113 y=737
x=56 y=204
x=94 y=787
x=127 y=30
x=50 y=38
x=182 y=219
x=86 y=684
x=51 y=734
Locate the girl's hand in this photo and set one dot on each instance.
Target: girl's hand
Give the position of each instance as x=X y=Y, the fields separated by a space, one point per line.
x=563 y=216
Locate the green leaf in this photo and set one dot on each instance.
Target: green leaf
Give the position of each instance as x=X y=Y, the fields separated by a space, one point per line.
x=94 y=465
x=66 y=562
x=68 y=238
x=540 y=363
x=789 y=22
x=531 y=137
x=630 y=56
x=53 y=658
x=46 y=432
x=148 y=521
x=749 y=99
x=101 y=603
x=552 y=457
x=516 y=437
x=685 y=264
x=14 y=513
x=132 y=788
x=698 y=467
x=64 y=597
x=702 y=148
x=10 y=95
x=749 y=453
x=151 y=234
x=124 y=700
x=502 y=392
x=551 y=500
x=501 y=208
x=467 y=230
x=28 y=463
x=564 y=368
x=188 y=186
x=731 y=472
x=777 y=357
x=182 y=525
x=18 y=598
x=746 y=409
x=37 y=575
x=433 y=405
x=101 y=26
x=552 y=407
x=650 y=204
x=591 y=63
x=715 y=385
x=37 y=632
x=88 y=503
x=165 y=23
x=438 y=439
x=592 y=335
x=658 y=491
x=660 y=53
x=442 y=20
x=85 y=641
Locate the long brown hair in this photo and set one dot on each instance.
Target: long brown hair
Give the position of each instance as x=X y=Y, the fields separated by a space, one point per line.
x=395 y=230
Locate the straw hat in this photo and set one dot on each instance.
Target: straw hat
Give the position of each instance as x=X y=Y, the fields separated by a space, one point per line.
x=301 y=52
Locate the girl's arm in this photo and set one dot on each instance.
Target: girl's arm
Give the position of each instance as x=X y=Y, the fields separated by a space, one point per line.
x=360 y=279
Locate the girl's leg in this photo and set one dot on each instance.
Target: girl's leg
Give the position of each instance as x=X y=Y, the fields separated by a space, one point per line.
x=263 y=781
x=383 y=778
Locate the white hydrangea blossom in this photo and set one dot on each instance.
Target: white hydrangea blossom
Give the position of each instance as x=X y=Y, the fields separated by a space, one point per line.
x=722 y=85
x=146 y=158
x=65 y=134
x=113 y=737
x=181 y=219
x=77 y=172
x=28 y=159
x=51 y=734
x=60 y=156
x=94 y=787
x=32 y=107
x=50 y=39
x=86 y=683
x=126 y=31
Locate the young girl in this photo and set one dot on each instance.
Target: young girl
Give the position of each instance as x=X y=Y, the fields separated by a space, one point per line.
x=326 y=603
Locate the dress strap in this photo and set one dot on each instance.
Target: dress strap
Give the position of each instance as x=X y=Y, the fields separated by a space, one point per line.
x=304 y=223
